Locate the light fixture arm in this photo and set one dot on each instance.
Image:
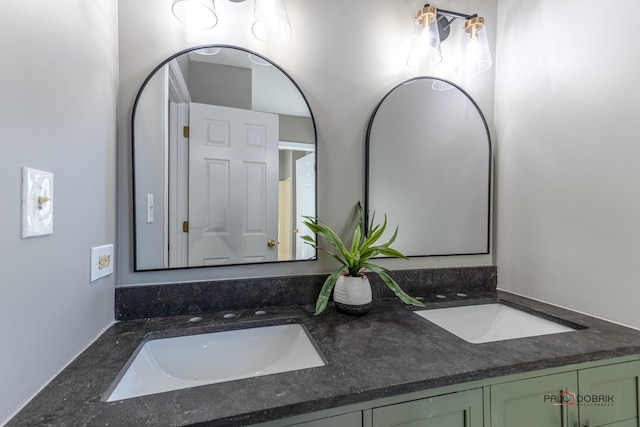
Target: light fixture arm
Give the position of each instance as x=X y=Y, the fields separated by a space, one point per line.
x=444 y=24
x=456 y=14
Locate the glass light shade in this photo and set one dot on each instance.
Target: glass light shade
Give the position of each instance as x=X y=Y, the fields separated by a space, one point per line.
x=440 y=85
x=270 y=20
x=475 y=48
x=258 y=60
x=425 y=46
x=197 y=14
x=208 y=51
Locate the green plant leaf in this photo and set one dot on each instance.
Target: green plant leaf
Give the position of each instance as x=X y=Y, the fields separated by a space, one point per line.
x=393 y=238
x=322 y=229
x=311 y=242
x=357 y=235
x=361 y=223
x=372 y=228
x=334 y=256
x=374 y=236
x=393 y=253
x=374 y=251
x=325 y=292
x=391 y=284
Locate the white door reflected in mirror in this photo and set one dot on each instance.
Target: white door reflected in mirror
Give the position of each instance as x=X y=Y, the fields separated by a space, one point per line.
x=233 y=191
x=215 y=205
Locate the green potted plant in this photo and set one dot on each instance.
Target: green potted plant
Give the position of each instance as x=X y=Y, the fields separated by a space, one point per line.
x=351 y=287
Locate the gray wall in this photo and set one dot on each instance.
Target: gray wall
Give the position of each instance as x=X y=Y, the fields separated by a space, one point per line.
x=567 y=121
x=151 y=157
x=57 y=113
x=344 y=69
x=231 y=86
x=296 y=129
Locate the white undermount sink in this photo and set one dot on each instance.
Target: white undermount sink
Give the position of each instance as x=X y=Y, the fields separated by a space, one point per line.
x=187 y=361
x=491 y=322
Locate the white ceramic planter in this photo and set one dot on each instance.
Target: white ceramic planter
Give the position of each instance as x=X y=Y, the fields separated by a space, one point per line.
x=352 y=295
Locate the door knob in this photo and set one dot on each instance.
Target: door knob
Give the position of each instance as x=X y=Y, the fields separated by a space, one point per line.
x=295 y=230
x=271 y=243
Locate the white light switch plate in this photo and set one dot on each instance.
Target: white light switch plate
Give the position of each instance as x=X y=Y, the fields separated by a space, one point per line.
x=101 y=261
x=150 y=208
x=37 y=202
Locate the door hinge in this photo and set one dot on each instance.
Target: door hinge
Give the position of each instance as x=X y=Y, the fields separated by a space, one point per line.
x=185 y=131
x=185 y=226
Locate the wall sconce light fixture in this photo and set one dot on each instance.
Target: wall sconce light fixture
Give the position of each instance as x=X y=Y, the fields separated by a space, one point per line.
x=432 y=27
x=270 y=19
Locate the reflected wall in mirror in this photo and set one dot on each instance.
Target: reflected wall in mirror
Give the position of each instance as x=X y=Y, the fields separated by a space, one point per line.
x=429 y=168
x=224 y=147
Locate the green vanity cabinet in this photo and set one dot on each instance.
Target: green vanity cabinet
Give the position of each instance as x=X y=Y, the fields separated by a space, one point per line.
x=533 y=402
x=463 y=409
x=603 y=396
x=320 y=419
x=353 y=419
x=459 y=409
x=592 y=394
x=609 y=395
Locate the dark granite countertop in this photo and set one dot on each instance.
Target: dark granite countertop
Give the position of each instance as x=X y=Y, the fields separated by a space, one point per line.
x=388 y=352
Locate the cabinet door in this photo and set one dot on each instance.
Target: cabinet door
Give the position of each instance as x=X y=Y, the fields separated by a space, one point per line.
x=462 y=409
x=351 y=419
x=533 y=402
x=609 y=395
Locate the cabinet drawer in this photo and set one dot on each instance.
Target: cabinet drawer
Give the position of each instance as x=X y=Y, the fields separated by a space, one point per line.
x=609 y=395
x=353 y=419
x=462 y=409
x=528 y=403
x=628 y=423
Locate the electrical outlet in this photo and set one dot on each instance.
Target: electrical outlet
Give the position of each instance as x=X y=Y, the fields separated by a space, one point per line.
x=101 y=261
x=104 y=261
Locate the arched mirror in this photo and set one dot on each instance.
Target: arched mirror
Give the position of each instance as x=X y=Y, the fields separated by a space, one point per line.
x=429 y=168
x=224 y=149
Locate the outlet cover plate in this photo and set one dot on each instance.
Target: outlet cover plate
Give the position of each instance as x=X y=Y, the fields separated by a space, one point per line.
x=150 y=208
x=101 y=261
x=37 y=203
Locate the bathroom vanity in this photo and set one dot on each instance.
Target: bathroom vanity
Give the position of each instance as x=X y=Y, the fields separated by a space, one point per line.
x=389 y=367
